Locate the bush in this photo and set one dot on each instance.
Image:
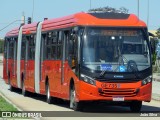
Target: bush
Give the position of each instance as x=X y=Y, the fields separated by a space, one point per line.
x=154 y=58
x=1 y=45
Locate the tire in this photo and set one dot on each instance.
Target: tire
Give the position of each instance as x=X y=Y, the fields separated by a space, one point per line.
x=48 y=97
x=11 y=88
x=24 y=92
x=77 y=106
x=135 y=106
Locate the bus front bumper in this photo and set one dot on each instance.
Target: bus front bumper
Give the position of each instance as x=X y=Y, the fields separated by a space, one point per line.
x=127 y=92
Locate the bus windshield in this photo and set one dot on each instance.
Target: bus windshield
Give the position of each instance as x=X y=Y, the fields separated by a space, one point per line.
x=115 y=50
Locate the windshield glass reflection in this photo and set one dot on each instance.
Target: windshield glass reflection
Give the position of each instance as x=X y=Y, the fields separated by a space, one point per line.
x=115 y=50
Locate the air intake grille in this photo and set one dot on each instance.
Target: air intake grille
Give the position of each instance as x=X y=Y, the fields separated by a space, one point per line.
x=118 y=92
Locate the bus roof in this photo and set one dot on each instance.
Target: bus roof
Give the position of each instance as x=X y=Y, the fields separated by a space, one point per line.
x=29 y=28
x=13 y=32
x=84 y=19
x=94 y=19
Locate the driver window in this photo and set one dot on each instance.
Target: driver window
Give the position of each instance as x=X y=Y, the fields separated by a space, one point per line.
x=71 y=48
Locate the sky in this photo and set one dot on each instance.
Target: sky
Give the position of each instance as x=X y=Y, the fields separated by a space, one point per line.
x=12 y=10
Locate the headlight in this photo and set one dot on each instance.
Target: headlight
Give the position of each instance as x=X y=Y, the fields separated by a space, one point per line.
x=88 y=79
x=147 y=80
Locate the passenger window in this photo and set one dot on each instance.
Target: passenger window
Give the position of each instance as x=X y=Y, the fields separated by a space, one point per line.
x=51 y=43
x=23 y=48
x=6 y=44
x=71 y=54
x=31 y=40
x=11 y=48
x=59 y=45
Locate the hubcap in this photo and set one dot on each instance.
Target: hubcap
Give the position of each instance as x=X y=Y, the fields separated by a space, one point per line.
x=73 y=94
x=23 y=88
x=48 y=94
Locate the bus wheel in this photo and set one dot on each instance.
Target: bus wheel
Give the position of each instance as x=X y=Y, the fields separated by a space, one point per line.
x=135 y=106
x=77 y=106
x=24 y=92
x=9 y=83
x=48 y=97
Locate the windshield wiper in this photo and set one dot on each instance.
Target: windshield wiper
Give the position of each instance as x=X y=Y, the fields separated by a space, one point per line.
x=103 y=73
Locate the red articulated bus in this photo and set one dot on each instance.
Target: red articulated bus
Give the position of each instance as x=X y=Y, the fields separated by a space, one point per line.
x=82 y=57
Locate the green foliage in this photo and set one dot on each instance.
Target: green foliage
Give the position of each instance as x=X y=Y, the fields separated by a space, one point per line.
x=110 y=9
x=5 y=106
x=158 y=33
x=154 y=58
x=1 y=45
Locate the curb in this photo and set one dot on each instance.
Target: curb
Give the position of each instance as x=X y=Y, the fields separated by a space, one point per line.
x=10 y=102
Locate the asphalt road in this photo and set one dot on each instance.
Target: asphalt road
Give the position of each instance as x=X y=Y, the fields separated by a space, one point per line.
x=37 y=103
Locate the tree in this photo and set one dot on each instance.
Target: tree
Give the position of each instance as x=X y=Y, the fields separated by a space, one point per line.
x=110 y=9
x=124 y=10
x=158 y=33
x=1 y=45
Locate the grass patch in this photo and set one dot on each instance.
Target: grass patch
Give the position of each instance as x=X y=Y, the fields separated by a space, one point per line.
x=5 y=106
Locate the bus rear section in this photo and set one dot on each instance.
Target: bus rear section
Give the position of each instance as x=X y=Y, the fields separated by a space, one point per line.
x=10 y=57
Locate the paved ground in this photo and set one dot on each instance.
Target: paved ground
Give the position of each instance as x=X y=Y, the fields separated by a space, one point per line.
x=156 y=87
x=37 y=103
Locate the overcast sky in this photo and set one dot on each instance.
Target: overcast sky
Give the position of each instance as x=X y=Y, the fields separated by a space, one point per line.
x=11 y=10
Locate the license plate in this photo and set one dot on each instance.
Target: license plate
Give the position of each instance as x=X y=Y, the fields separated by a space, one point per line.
x=110 y=85
x=118 y=98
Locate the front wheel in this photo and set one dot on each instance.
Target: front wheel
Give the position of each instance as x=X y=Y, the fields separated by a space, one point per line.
x=10 y=86
x=24 y=92
x=135 y=106
x=48 y=97
x=77 y=106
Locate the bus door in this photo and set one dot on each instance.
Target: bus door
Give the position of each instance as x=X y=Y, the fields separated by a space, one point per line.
x=42 y=66
x=26 y=65
x=31 y=62
x=58 y=63
x=23 y=55
x=6 y=55
x=14 y=58
x=68 y=60
x=12 y=62
x=63 y=63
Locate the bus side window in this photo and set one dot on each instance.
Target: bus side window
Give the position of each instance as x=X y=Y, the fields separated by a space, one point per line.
x=48 y=46
x=51 y=43
x=23 y=48
x=15 y=47
x=43 y=47
x=69 y=48
x=59 y=45
x=31 y=39
x=72 y=49
x=11 y=50
x=5 y=47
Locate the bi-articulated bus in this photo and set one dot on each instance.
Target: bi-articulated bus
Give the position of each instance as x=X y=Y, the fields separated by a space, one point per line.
x=82 y=58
